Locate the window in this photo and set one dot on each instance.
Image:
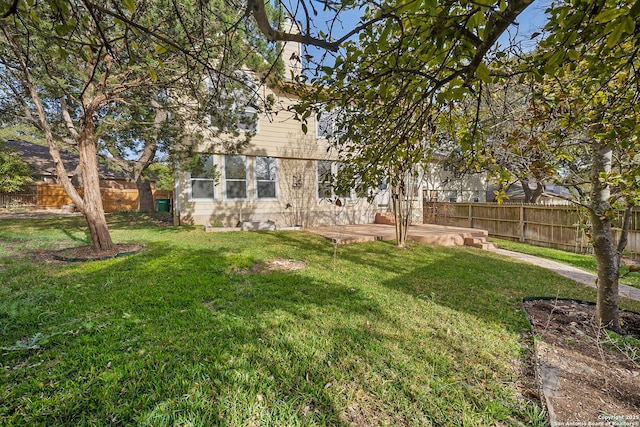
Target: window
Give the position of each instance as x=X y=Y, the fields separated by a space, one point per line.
x=324 y=124
x=248 y=120
x=326 y=172
x=233 y=118
x=235 y=177
x=266 y=170
x=202 y=182
x=234 y=108
x=453 y=196
x=323 y=173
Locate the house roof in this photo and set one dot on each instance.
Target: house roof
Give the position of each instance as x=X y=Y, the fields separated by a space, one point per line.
x=515 y=192
x=39 y=158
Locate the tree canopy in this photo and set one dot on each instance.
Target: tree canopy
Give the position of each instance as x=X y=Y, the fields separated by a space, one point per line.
x=73 y=66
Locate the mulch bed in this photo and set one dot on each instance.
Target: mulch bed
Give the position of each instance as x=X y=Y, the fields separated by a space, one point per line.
x=86 y=253
x=586 y=377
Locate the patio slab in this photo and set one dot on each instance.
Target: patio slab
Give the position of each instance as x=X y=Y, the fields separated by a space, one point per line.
x=430 y=234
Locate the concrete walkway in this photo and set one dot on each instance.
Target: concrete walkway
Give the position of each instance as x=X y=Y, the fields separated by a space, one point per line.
x=569 y=271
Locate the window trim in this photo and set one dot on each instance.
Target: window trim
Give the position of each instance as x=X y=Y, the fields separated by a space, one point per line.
x=256 y=180
x=225 y=179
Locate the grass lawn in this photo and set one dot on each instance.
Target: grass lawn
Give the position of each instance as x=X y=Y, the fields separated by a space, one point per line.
x=585 y=262
x=187 y=333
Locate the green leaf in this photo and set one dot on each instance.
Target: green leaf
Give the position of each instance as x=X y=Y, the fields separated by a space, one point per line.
x=573 y=55
x=556 y=58
x=615 y=36
x=153 y=74
x=130 y=5
x=482 y=72
x=161 y=48
x=610 y=14
x=629 y=24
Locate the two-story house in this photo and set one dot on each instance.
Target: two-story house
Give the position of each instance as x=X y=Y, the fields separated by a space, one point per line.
x=279 y=176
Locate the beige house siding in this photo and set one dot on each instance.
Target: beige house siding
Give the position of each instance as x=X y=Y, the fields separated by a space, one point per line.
x=297 y=201
x=278 y=136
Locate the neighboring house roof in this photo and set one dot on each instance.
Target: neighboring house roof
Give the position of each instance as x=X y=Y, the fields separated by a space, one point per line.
x=516 y=193
x=39 y=158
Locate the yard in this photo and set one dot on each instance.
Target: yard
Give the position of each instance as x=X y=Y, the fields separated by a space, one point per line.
x=262 y=328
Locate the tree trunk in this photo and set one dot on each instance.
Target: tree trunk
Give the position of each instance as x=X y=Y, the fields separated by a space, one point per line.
x=604 y=247
x=531 y=195
x=402 y=213
x=92 y=208
x=145 y=195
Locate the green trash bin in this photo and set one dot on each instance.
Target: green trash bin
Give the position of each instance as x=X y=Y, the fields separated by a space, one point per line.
x=163 y=205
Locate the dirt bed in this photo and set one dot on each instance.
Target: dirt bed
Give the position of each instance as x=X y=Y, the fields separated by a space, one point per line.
x=589 y=377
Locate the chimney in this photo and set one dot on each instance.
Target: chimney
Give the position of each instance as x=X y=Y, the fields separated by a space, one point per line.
x=291 y=51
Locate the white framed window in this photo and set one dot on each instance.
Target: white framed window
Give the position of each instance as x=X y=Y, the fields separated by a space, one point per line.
x=235 y=177
x=323 y=179
x=326 y=171
x=266 y=174
x=325 y=124
x=247 y=120
x=236 y=108
x=202 y=180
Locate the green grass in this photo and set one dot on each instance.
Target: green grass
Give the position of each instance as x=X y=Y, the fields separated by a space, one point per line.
x=585 y=262
x=185 y=333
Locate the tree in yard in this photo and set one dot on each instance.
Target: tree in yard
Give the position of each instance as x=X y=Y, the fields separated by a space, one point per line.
x=15 y=173
x=413 y=62
x=592 y=93
x=77 y=60
x=133 y=135
x=577 y=124
x=514 y=143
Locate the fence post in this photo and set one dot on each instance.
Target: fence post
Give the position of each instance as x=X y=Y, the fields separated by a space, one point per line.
x=470 y=215
x=522 y=224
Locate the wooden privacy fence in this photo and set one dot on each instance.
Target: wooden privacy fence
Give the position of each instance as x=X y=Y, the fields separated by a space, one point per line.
x=53 y=196
x=554 y=226
x=25 y=198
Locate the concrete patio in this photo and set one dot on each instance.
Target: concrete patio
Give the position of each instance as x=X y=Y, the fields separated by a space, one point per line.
x=429 y=234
